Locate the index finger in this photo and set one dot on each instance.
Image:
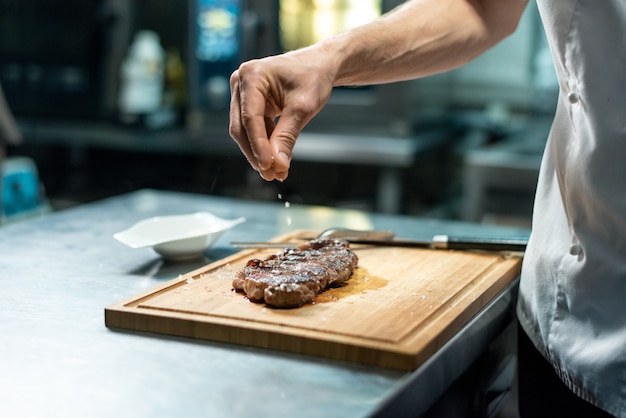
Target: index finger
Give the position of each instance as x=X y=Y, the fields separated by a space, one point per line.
x=255 y=120
x=235 y=127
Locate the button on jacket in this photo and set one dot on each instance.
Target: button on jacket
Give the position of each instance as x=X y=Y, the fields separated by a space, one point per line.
x=573 y=287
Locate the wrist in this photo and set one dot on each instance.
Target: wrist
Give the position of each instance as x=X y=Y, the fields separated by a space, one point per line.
x=330 y=57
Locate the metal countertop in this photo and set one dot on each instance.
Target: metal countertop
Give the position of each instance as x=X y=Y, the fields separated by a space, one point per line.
x=58 y=273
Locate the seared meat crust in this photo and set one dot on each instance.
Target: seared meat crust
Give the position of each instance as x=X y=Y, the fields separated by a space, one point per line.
x=295 y=276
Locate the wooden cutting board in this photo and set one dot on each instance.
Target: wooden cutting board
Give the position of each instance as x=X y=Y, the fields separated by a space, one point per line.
x=399 y=307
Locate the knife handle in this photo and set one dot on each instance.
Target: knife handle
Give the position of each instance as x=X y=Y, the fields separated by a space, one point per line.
x=480 y=243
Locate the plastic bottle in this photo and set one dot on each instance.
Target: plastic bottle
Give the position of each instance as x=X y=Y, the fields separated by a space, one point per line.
x=142 y=77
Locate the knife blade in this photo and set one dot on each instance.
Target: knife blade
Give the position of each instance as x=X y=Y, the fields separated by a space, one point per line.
x=446 y=242
x=350 y=235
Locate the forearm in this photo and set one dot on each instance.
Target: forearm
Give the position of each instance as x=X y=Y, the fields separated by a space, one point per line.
x=419 y=38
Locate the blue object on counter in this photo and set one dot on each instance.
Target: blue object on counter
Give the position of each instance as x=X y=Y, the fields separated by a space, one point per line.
x=22 y=193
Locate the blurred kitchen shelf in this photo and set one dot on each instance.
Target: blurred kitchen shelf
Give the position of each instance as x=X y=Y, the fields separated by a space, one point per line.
x=499 y=180
x=390 y=156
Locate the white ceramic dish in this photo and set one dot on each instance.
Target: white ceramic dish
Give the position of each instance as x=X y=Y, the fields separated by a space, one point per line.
x=177 y=236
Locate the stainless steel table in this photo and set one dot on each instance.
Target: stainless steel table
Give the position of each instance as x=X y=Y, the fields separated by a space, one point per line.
x=58 y=273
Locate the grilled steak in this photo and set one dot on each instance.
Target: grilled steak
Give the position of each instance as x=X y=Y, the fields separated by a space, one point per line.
x=296 y=275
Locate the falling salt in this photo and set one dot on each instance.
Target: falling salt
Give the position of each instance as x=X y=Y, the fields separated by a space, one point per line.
x=287 y=204
x=280 y=196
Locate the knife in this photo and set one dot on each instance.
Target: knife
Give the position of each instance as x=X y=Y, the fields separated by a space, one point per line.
x=446 y=242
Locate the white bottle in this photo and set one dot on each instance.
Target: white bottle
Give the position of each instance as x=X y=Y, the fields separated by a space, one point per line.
x=141 y=90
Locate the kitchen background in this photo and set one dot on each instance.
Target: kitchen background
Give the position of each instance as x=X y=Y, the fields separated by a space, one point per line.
x=116 y=95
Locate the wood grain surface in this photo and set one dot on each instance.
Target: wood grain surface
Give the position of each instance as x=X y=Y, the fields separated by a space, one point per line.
x=397 y=309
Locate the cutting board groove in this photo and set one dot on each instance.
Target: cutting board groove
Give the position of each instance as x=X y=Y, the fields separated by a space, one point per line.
x=399 y=307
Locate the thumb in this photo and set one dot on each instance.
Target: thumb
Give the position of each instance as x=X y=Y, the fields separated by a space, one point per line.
x=282 y=155
x=283 y=140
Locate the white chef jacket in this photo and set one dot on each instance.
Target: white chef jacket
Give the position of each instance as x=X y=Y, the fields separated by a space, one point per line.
x=572 y=299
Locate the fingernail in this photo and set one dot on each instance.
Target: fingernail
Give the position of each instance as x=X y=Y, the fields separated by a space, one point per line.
x=282 y=176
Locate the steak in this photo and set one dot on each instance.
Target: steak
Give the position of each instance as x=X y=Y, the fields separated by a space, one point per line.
x=295 y=276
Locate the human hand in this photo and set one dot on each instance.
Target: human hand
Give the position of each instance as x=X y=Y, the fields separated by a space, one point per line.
x=272 y=99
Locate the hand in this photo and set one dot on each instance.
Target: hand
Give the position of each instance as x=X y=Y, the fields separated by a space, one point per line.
x=272 y=99
x=418 y=38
